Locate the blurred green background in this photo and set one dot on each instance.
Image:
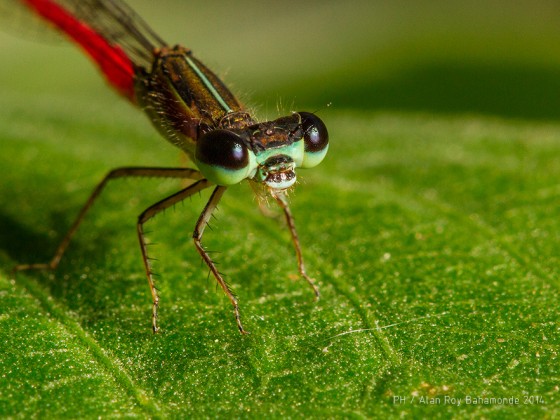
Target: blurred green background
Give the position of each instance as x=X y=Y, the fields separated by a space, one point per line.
x=491 y=57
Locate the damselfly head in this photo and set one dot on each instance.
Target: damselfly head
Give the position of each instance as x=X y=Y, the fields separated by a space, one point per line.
x=277 y=172
x=267 y=152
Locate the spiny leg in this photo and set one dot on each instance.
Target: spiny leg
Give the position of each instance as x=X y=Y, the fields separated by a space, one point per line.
x=147 y=215
x=197 y=236
x=115 y=173
x=280 y=198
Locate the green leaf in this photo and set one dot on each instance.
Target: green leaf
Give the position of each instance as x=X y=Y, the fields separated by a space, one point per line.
x=433 y=237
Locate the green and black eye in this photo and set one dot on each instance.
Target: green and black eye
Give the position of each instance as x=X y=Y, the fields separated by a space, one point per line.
x=316 y=139
x=223 y=157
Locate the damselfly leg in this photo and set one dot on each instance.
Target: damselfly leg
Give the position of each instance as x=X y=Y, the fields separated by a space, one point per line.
x=147 y=215
x=128 y=172
x=125 y=172
x=197 y=236
x=280 y=197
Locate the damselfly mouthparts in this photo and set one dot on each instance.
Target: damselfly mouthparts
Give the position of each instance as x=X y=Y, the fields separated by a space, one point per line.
x=196 y=112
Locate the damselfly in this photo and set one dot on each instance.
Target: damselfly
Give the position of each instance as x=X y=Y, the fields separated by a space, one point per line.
x=196 y=112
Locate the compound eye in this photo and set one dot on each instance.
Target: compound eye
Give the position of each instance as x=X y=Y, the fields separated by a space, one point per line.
x=222 y=157
x=316 y=139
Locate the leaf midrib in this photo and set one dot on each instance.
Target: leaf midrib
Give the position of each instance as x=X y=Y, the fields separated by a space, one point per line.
x=61 y=313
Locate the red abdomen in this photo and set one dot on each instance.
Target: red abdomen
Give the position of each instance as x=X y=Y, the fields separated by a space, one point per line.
x=117 y=67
